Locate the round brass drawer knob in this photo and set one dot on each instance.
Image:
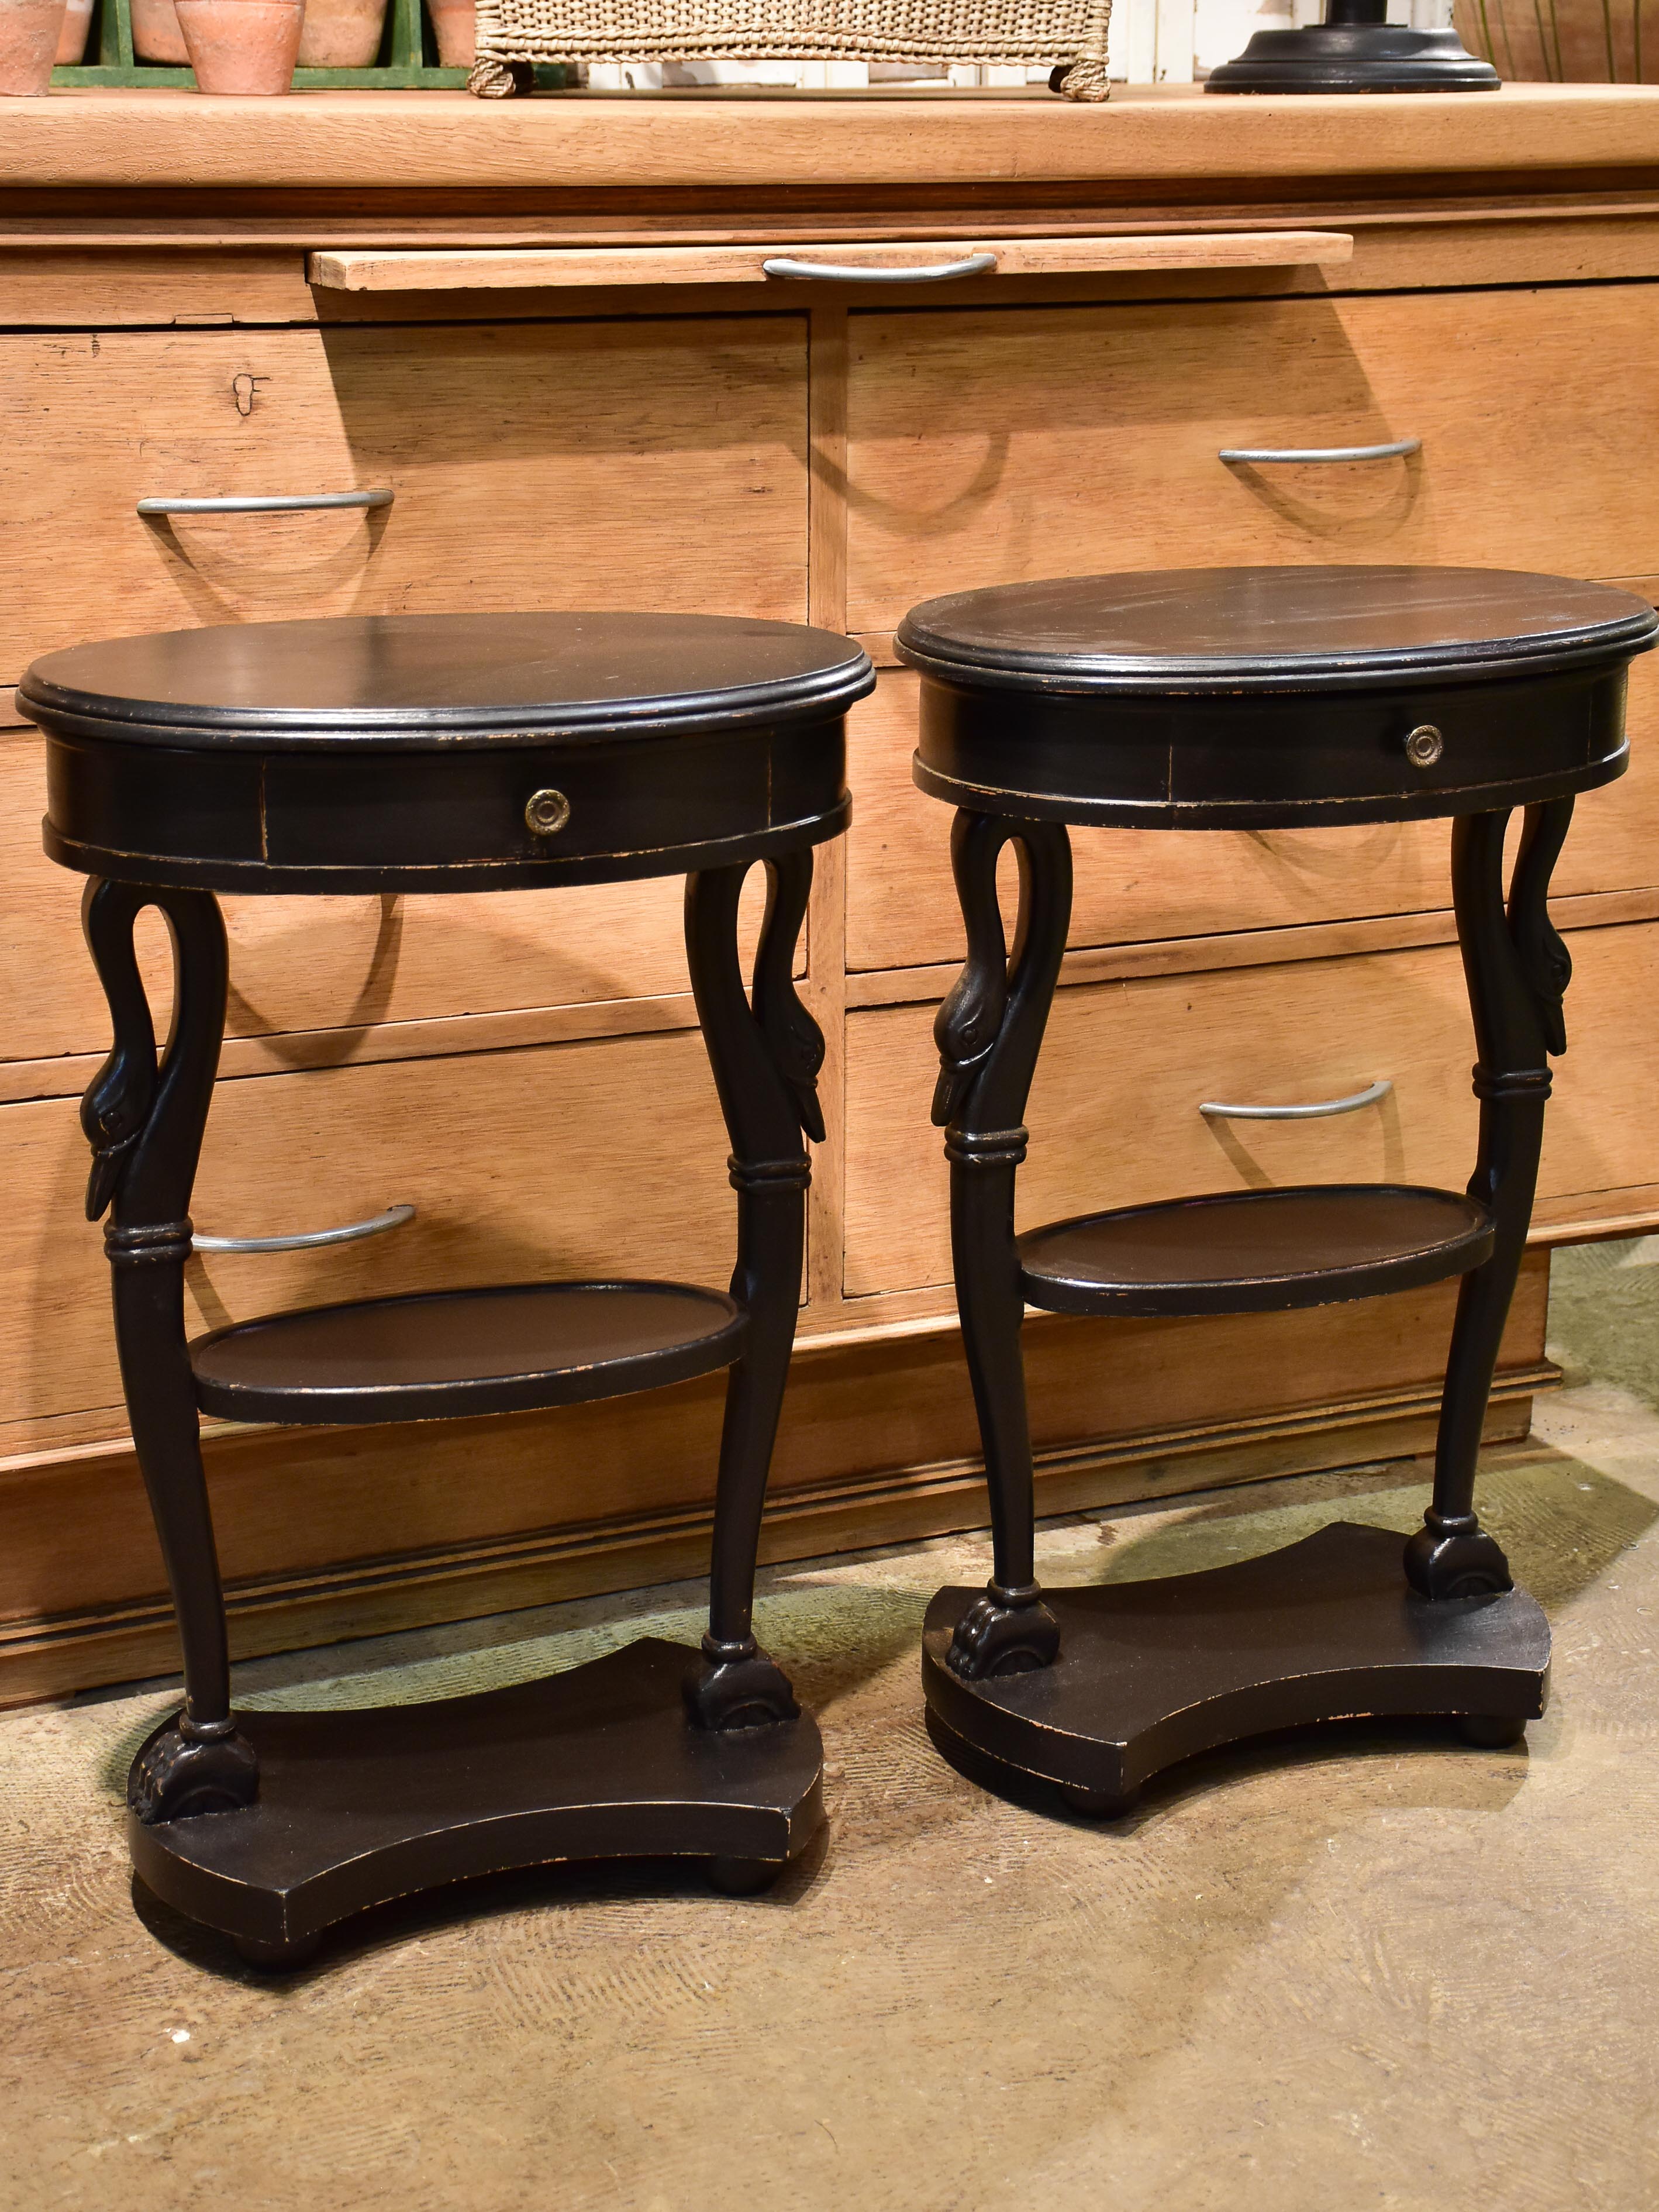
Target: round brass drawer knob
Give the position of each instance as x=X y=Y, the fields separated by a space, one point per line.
x=1423 y=747
x=546 y=812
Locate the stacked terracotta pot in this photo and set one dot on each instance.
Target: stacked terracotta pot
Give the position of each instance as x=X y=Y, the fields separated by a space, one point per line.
x=232 y=45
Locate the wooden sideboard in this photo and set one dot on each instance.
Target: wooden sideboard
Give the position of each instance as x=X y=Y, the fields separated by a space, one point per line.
x=522 y=325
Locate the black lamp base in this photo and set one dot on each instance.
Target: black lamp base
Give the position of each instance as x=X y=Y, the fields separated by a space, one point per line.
x=1355 y=58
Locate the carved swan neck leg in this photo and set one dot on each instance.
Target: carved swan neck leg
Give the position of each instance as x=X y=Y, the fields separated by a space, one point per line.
x=145 y=1127
x=989 y=1031
x=1518 y=969
x=765 y=1050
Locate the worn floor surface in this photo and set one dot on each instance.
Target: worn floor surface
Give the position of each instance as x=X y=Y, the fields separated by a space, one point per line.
x=1361 y=1968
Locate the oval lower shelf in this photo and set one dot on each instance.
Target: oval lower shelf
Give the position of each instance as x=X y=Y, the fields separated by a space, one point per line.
x=1255 y=1251
x=439 y=1354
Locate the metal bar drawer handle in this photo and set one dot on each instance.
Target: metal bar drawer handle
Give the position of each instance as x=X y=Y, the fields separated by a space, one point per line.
x=1256 y=456
x=306 y=1239
x=296 y=502
x=1317 y=1112
x=842 y=272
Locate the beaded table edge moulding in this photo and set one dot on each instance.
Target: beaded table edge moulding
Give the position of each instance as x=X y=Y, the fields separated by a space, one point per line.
x=515 y=36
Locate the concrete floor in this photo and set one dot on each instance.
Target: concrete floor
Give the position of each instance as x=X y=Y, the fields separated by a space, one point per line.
x=1365 y=1967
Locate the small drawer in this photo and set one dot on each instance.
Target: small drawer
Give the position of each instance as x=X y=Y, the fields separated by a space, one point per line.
x=337 y=963
x=648 y=462
x=467 y=817
x=585 y=1159
x=1254 y=762
x=518 y=803
x=1050 y=442
x=1132 y=885
x=1113 y=1114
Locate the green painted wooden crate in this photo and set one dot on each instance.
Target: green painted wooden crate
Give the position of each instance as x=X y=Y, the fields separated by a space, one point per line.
x=408 y=57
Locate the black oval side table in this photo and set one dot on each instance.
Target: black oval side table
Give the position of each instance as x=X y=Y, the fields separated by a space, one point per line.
x=1249 y=698
x=450 y=754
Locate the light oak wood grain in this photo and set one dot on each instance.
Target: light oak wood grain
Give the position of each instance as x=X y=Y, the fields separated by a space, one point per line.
x=456 y=269
x=140 y=283
x=327 y=224
x=338 y=140
x=1243 y=948
x=612 y=464
x=1114 y=1114
x=987 y=447
x=1604 y=1213
x=567 y=1160
x=826 y=918
x=1435 y=249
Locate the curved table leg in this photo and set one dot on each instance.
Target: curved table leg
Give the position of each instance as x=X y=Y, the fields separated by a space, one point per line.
x=766 y=1051
x=145 y=1129
x=988 y=1031
x=1518 y=969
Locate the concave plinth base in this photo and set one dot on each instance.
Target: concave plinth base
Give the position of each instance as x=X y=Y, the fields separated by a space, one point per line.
x=1255 y=1251
x=1151 y=1672
x=356 y=1808
x=1355 y=58
x=434 y=1355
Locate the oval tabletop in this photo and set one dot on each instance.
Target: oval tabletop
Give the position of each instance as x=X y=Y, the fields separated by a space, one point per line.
x=444 y=752
x=409 y=680
x=1180 y=630
x=1268 y=698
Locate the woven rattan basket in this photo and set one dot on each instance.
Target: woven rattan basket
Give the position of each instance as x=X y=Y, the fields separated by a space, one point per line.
x=1071 y=34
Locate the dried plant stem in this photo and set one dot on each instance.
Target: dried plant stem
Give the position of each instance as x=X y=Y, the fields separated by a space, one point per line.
x=1543 y=42
x=1509 y=47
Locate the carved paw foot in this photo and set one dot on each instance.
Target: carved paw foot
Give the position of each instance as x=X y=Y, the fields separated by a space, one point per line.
x=1442 y=1563
x=739 y=1689
x=994 y=1637
x=181 y=1773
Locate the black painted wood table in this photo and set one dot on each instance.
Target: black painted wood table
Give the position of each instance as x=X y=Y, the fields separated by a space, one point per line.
x=459 y=753
x=1249 y=699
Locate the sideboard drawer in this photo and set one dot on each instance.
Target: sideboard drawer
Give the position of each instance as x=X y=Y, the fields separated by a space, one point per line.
x=626 y=463
x=594 y=1159
x=1113 y=1114
x=1132 y=886
x=987 y=446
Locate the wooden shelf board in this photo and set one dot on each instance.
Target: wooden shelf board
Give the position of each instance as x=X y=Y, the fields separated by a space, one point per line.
x=127 y=138
x=497 y=268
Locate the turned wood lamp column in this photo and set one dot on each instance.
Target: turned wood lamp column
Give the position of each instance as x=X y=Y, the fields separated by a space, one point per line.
x=1249 y=699
x=520 y=751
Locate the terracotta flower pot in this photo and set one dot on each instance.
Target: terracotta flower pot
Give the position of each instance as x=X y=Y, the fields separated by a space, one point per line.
x=155 y=33
x=341 y=34
x=242 y=45
x=29 y=32
x=456 y=24
x=72 y=40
